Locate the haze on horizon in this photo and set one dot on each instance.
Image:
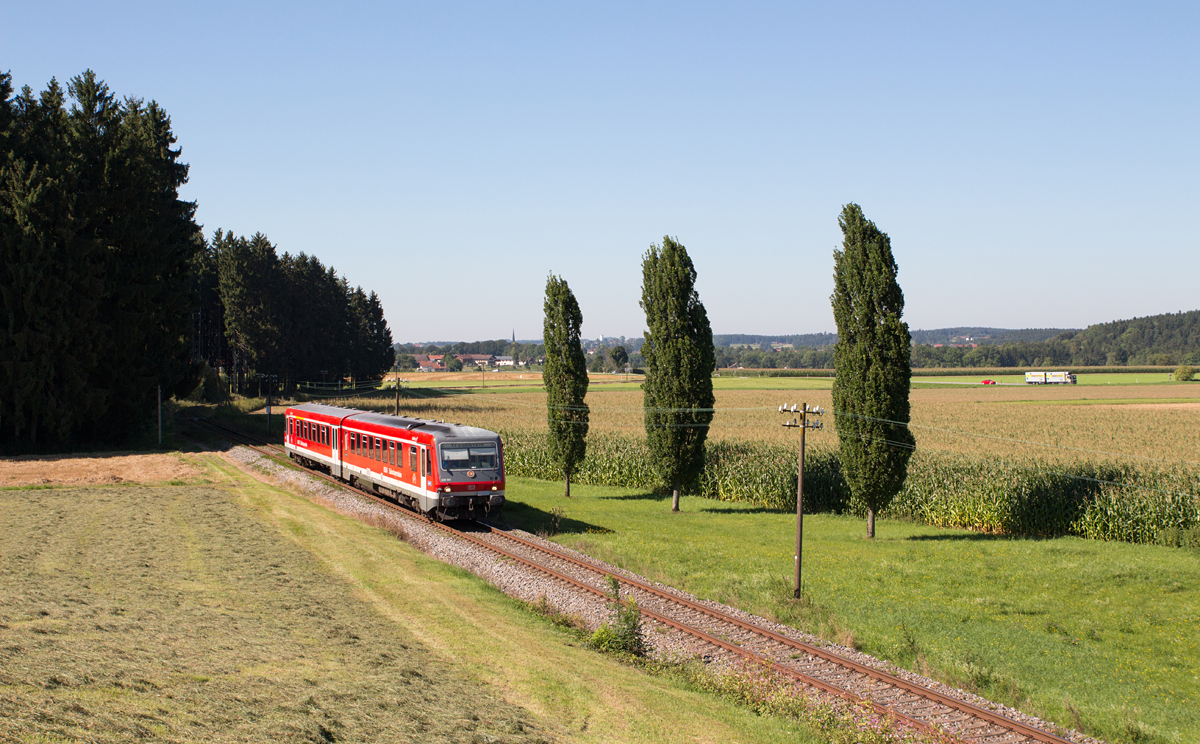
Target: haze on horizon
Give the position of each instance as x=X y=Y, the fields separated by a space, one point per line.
x=1034 y=165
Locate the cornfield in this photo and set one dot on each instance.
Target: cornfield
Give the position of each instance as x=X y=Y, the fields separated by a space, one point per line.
x=1097 y=501
x=1012 y=461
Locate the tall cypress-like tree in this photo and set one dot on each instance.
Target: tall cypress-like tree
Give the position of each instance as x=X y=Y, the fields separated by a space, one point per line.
x=566 y=378
x=678 y=393
x=870 y=391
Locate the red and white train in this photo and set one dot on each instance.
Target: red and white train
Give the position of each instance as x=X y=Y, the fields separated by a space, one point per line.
x=447 y=471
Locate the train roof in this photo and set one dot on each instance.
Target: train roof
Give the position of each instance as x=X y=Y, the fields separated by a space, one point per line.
x=347 y=416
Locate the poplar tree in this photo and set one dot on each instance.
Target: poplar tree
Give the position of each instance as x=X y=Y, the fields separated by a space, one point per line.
x=872 y=358
x=678 y=350
x=565 y=376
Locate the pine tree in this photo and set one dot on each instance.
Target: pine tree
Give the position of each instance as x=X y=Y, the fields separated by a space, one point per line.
x=565 y=377
x=872 y=358
x=678 y=393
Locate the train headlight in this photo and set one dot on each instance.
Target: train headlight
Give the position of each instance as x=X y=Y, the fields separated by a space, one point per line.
x=495 y=489
x=447 y=489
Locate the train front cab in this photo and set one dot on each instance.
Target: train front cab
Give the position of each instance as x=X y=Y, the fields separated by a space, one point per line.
x=470 y=479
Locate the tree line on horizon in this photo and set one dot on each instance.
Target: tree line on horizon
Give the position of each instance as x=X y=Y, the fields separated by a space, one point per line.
x=111 y=295
x=1164 y=340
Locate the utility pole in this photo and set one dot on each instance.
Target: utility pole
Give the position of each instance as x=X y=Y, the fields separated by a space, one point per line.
x=160 y=415
x=270 y=385
x=802 y=424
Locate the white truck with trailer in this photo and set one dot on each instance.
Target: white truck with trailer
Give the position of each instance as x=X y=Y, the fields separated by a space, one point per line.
x=1049 y=378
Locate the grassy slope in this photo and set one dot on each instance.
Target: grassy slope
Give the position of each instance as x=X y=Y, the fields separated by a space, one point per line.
x=1096 y=635
x=170 y=612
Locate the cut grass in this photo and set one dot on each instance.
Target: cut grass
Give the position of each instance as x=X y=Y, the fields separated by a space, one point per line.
x=169 y=614
x=238 y=612
x=1090 y=634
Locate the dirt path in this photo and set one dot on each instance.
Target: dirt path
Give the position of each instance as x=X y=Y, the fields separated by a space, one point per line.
x=97 y=469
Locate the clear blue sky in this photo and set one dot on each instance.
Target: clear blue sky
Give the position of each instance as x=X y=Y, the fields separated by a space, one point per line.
x=1035 y=164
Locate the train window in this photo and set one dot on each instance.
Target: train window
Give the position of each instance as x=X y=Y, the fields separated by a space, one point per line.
x=324 y=435
x=428 y=467
x=412 y=458
x=391 y=453
x=354 y=442
x=378 y=448
x=474 y=456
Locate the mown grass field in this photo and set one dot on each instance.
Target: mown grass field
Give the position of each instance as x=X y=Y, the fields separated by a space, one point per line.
x=1093 y=635
x=227 y=610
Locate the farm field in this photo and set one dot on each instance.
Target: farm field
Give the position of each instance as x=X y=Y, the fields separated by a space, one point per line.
x=1094 y=635
x=222 y=609
x=1121 y=422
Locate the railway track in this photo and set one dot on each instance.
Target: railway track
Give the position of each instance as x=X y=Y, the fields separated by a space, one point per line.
x=902 y=700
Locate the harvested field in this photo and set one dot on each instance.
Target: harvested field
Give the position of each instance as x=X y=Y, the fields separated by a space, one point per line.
x=99 y=469
x=171 y=614
x=1062 y=424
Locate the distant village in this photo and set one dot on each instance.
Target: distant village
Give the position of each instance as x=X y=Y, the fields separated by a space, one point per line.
x=437 y=362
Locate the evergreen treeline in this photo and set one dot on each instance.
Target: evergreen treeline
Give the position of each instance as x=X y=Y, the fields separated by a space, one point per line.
x=262 y=314
x=95 y=254
x=110 y=291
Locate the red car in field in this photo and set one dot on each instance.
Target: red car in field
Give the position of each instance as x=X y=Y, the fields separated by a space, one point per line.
x=989 y=382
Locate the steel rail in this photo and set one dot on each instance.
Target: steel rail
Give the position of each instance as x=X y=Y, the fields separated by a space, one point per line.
x=934 y=697
x=815 y=651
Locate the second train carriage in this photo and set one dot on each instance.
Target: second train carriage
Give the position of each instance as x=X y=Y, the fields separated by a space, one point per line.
x=445 y=470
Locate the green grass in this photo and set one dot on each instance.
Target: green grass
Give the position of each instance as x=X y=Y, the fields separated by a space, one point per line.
x=1094 y=635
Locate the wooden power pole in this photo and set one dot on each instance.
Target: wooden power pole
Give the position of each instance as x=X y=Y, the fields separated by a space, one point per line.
x=801 y=423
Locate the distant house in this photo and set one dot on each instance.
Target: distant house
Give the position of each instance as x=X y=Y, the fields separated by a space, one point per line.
x=503 y=361
x=479 y=360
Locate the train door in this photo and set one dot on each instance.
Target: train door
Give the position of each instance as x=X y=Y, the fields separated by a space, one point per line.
x=335 y=468
x=421 y=459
